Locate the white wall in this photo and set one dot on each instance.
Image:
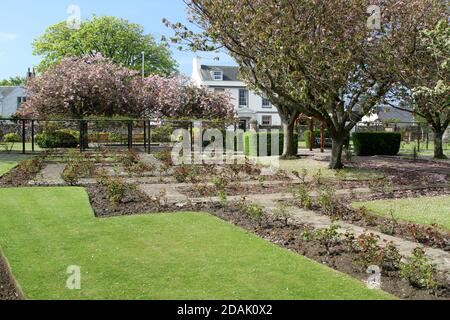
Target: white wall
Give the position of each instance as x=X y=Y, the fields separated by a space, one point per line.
x=9 y=102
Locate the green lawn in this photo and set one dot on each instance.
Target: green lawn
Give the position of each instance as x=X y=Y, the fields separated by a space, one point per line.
x=166 y=256
x=427 y=211
x=9 y=161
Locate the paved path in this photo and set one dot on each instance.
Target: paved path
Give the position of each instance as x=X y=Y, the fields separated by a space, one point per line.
x=405 y=247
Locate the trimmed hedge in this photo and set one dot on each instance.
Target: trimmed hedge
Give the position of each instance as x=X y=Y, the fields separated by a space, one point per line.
x=253 y=141
x=377 y=143
x=56 y=139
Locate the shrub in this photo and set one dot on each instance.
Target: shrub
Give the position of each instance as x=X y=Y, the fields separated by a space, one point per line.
x=328 y=236
x=255 y=144
x=282 y=213
x=71 y=173
x=116 y=189
x=377 y=143
x=419 y=271
x=11 y=138
x=162 y=134
x=56 y=139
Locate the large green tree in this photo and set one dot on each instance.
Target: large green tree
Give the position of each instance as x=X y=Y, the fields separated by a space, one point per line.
x=322 y=57
x=114 y=38
x=13 y=81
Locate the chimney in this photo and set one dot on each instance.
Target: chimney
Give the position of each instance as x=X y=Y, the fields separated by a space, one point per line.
x=196 y=70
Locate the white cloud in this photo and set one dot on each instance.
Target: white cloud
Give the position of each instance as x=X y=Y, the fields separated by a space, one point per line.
x=4 y=36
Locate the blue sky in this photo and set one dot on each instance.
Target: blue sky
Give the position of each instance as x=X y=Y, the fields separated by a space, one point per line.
x=22 y=21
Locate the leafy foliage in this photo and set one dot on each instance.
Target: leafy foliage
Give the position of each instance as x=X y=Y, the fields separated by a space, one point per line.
x=117 y=39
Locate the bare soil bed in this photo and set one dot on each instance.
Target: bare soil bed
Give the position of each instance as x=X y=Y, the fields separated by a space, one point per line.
x=8 y=287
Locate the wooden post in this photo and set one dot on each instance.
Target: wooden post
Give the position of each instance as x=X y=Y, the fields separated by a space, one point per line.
x=311 y=134
x=322 y=138
x=191 y=126
x=149 y=137
x=145 y=136
x=32 y=135
x=82 y=136
x=24 y=136
x=418 y=138
x=130 y=135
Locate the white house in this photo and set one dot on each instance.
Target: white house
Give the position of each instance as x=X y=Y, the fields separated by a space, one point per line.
x=10 y=100
x=248 y=105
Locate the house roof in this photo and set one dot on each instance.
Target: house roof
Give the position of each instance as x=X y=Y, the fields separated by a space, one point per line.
x=229 y=73
x=389 y=113
x=5 y=91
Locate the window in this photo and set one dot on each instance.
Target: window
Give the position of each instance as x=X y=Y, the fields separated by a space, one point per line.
x=266 y=103
x=266 y=120
x=21 y=100
x=243 y=98
x=217 y=75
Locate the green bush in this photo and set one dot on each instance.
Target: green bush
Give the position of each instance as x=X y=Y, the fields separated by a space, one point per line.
x=376 y=143
x=11 y=138
x=56 y=139
x=162 y=134
x=253 y=142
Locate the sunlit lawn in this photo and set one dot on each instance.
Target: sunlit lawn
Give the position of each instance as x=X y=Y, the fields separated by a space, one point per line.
x=9 y=161
x=43 y=231
x=427 y=211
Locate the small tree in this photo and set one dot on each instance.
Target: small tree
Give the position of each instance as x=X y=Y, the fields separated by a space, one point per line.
x=177 y=98
x=80 y=87
x=425 y=80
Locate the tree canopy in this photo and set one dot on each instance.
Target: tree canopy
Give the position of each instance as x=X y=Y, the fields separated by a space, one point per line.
x=320 y=57
x=424 y=80
x=95 y=86
x=114 y=38
x=13 y=81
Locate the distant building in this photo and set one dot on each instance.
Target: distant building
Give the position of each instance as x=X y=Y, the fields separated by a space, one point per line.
x=387 y=114
x=11 y=99
x=248 y=105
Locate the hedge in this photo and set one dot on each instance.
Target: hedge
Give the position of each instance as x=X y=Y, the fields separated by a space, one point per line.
x=253 y=141
x=56 y=139
x=376 y=143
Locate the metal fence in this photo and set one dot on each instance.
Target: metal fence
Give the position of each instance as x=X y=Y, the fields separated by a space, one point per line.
x=22 y=135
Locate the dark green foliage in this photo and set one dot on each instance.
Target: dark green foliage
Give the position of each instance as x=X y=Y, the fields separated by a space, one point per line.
x=377 y=143
x=256 y=143
x=56 y=139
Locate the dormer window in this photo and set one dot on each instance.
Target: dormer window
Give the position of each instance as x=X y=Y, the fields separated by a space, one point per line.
x=217 y=75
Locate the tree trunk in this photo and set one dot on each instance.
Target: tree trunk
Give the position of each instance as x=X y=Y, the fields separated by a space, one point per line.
x=289 y=148
x=438 y=150
x=336 y=152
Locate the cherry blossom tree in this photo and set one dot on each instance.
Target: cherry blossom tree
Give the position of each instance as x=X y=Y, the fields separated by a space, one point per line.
x=80 y=87
x=88 y=87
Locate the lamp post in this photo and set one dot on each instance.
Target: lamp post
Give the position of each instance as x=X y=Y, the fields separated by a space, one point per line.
x=143 y=65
